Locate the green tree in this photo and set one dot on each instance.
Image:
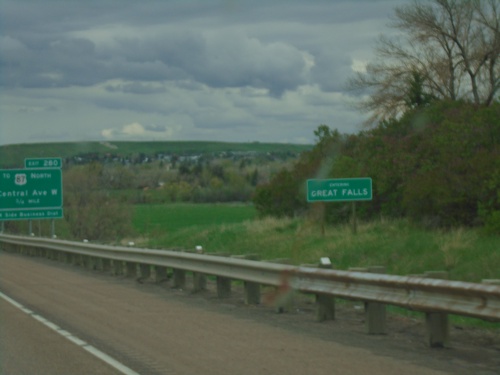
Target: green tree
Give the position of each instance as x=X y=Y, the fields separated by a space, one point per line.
x=280 y=197
x=416 y=95
x=285 y=194
x=439 y=164
x=89 y=210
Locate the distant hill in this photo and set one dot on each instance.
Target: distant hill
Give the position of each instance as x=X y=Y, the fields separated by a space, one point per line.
x=12 y=156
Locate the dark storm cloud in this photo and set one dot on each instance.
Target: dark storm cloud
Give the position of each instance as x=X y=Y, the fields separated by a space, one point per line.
x=136 y=88
x=331 y=70
x=130 y=103
x=206 y=69
x=43 y=62
x=39 y=53
x=156 y=128
x=219 y=61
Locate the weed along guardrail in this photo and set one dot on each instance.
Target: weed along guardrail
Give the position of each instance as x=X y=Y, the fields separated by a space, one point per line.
x=430 y=294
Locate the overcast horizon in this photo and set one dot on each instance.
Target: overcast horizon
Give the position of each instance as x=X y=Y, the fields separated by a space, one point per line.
x=230 y=71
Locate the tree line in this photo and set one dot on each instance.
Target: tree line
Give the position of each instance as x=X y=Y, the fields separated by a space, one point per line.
x=99 y=197
x=433 y=143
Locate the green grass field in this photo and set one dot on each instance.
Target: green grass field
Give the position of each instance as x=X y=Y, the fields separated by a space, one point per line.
x=169 y=219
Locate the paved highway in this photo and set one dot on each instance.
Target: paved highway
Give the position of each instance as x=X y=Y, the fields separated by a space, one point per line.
x=150 y=329
x=29 y=347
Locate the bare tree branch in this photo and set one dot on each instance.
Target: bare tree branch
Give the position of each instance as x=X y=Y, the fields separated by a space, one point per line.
x=453 y=45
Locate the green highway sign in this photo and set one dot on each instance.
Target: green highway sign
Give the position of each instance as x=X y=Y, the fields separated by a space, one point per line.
x=42 y=163
x=339 y=190
x=30 y=194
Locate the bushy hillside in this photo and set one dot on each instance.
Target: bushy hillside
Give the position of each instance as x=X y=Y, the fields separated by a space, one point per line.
x=438 y=164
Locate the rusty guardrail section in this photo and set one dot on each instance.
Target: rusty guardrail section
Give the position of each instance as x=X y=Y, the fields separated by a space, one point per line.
x=414 y=293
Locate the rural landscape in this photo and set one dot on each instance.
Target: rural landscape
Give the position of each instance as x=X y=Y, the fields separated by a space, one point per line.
x=251 y=198
x=414 y=192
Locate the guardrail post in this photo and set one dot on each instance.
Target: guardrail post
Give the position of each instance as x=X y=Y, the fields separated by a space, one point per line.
x=106 y=264
x=78 y=260
x=49 y=254
x=438 y=326
x=82 y=260
x=375 y=311
x=252 y=293
x=283 y=299
x=160 y=274
x=199 y=279
x=143 y=271
x=179 y=278
x=223 y=287
x=252 y=290
x=117 y=267
x=130 y=269
x=91 y=263
x=103 y=264
x=31 y=252
x=62 y=257
x=360 y=269
x=223 y=283
x=86 y=261
x=99 y=264
x=325 y=304
x=20 y=250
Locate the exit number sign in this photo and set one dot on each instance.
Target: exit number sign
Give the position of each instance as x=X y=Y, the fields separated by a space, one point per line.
x=42 y=163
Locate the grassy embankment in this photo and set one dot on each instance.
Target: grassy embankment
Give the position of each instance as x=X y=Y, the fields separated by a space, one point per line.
x=400 y=246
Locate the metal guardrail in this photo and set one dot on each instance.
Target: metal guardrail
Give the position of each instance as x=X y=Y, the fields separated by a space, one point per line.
x=410 y=292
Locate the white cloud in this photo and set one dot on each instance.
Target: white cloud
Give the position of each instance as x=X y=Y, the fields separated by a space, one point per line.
x=136 y=130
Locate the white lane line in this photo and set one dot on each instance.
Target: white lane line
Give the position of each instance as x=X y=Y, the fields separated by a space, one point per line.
x=89 y=348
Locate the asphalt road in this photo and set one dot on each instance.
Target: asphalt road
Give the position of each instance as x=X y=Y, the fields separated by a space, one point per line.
x=153 y=329
x=29 y=347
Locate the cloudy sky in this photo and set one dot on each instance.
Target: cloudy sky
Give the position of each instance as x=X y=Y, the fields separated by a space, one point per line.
x=223 y=70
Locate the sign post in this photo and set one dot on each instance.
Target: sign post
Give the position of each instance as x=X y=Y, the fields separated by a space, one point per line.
x=341 y=190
